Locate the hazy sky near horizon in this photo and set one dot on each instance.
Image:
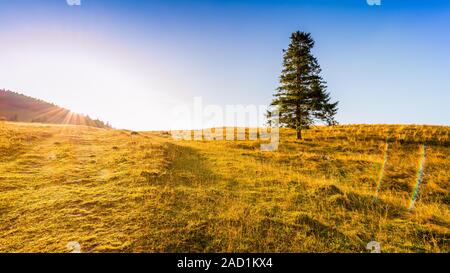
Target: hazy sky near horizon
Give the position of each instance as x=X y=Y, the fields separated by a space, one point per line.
x=131 y=62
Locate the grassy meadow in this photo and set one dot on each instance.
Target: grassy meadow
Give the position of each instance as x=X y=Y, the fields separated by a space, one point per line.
x=123 y=191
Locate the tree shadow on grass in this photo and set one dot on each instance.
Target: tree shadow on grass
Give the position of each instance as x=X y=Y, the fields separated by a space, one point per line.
x=279 y=236
x=325 y=233
x=183 y=166
x=367 y=204
x=181 y=204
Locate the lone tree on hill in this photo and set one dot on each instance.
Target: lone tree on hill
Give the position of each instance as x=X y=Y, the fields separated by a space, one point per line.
x=302 y=96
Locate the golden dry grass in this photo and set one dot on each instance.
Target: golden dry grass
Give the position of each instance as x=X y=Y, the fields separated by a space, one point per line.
x=122 y=191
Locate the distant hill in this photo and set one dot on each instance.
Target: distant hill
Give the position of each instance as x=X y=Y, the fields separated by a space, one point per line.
x=21 y=108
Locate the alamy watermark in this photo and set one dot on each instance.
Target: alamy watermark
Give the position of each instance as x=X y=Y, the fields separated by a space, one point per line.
x=230 y=123
x=373 y=2
x=374 y=247
x=73 y=2
x=73 y=247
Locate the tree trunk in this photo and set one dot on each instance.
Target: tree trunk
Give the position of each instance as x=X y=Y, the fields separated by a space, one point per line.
x=299 y=134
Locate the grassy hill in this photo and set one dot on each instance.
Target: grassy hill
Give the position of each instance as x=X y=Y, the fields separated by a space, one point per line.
x=122 y=191
x=18 y=107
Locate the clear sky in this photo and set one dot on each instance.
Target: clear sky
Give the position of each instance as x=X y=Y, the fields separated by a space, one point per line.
x=131 y=62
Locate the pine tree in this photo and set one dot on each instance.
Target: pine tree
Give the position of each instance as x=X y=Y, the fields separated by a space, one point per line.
x=302 y=96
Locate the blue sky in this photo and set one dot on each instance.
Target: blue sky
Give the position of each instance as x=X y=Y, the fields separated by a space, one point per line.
x=128 y=62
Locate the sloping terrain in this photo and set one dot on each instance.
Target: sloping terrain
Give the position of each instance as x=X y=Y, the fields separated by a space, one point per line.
x=122 y=191
x=18 y=107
